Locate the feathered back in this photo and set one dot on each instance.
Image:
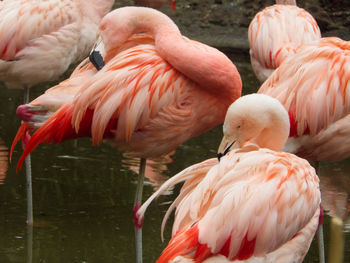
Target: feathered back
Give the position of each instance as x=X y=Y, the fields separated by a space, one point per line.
x=144 y=84
x=16 y=32
x=250 y=203
x=40 y=39
x=313 y=85
x=277 y=31
x=134 y=87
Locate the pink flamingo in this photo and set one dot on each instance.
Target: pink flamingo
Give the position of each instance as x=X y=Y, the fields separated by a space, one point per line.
x=146 y=93
x=40 y=39
x=313 y=86
x=256 y=204
x=276 y=32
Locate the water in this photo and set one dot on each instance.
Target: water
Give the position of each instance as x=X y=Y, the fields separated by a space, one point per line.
x=83 y=196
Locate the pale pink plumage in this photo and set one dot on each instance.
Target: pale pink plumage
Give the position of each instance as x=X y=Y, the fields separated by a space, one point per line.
x=275 y=33
x=313 y=85
x=255 y=205
x=40 y=39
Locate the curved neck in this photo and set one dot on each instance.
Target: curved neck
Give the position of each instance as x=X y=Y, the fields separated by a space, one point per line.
x=204 y=65
x=259 y=119
x=273 y=137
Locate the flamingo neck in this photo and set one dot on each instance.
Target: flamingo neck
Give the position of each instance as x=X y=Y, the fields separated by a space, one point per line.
x=271 y=137
x=205 y=65
x=258 y=119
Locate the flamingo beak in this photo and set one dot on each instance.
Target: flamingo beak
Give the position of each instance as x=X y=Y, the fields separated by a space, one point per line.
x=225 y=147
x=96 y=54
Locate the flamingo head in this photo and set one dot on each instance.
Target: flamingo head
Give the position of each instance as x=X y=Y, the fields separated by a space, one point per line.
x=255 y=118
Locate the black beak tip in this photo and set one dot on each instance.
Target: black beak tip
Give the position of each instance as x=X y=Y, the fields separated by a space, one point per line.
x=96 y=59
x=219 y=155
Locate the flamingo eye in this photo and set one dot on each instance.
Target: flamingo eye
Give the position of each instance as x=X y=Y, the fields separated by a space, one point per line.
x=102 y=27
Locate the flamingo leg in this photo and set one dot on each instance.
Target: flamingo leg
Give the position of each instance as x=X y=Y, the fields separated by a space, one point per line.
x=320 y=238
x=29 y=244
x=137 y=204
x=28 y=174
x=320 y=242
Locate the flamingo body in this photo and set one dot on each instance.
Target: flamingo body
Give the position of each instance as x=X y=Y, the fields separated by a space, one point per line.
x=231 y=211
x=254 y=205
x=139 y=100
x=313 y=86
x=39 y=40
x=275 y=33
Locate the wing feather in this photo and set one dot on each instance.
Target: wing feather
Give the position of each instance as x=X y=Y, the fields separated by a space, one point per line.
x=255 y=202
x=273 y=36
x=130 y=88
x=313 y=85
x=23 y=21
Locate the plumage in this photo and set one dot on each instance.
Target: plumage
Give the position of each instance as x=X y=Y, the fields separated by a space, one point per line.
x=313 y=86
x=275 y=33
x=157 y=105
x=40 y=39
x=254 y=205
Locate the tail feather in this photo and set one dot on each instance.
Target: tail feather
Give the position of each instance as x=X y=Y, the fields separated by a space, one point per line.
x=185 y=242
x=55 y=130
x=21 y=134
x=59 y=128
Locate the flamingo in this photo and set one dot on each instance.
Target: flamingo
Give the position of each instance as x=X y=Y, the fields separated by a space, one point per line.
x=256 y=204
x=313 y=86
x=276 y=32
x=144 y=92
x=38 y=42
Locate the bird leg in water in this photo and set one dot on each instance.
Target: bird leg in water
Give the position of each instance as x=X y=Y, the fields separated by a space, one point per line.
x=320 y=239
x=28 y=174
x=137 y=204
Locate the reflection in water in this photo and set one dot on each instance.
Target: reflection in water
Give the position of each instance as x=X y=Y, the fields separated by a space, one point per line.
x=3 y=161
x=29 y=248
x=336 y=203
x=336 y=244
x=155 y=168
